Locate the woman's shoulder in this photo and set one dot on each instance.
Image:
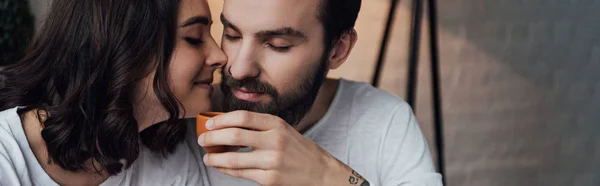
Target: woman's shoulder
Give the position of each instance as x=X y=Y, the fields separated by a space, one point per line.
x=9 y=123
x=8 y=117
x=9 y=111
x=11 y=130
x=17 y=162
x=8 y=145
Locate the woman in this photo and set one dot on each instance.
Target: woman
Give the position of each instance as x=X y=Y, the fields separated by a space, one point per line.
x=99 y=73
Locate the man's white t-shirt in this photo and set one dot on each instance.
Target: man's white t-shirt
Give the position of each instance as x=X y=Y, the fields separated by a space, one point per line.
x=372 y=131
x=18 y=165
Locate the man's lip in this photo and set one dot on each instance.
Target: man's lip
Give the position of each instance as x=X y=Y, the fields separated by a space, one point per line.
x=245 y=90
x=245 y=95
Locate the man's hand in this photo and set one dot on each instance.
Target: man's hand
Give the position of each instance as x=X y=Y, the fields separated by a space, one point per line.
x=280 y=155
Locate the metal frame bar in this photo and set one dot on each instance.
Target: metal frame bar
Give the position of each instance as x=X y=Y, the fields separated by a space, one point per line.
x=384 y=43
x=436 y=89
x=414 y=50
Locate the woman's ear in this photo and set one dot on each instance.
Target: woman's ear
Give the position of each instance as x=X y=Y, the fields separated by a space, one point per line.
x=342 y=48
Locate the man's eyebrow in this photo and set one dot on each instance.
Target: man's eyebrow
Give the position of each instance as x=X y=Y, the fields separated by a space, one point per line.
x=197 y=20
x=285 y=31
x=228 y=24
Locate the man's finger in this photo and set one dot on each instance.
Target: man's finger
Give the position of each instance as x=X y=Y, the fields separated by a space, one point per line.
x=231 y=137
x=245 y=119
x=242 y=160
x=260 y=176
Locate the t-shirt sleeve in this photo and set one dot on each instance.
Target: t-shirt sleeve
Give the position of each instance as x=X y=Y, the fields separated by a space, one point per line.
x=406 y=159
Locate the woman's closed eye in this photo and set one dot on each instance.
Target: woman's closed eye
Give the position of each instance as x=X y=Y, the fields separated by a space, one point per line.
x=193 y=41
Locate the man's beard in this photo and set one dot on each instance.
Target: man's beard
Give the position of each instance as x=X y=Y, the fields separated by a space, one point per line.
x=291 y=106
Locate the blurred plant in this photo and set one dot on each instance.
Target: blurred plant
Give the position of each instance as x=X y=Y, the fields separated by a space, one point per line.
x=16 y=30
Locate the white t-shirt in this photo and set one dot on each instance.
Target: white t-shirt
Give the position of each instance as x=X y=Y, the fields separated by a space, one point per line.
x=18 y=165
x=372 y=131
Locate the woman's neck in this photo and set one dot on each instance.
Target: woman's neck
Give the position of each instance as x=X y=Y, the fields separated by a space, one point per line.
x=33 y=130
x=147 y=115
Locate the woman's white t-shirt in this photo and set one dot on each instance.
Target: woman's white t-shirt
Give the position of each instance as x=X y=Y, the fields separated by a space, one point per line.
x=18 y=165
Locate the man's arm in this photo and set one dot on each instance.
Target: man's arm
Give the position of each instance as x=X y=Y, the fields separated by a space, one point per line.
x=280 y=155
x=405 y=157
x=343 y=175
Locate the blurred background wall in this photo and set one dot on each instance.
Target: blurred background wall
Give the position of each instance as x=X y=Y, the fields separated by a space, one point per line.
x=520 y=85
x=39 y=8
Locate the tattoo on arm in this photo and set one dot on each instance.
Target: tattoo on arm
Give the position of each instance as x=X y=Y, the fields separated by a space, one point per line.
x=353 y=180
x=356 y=178
x=356 y=174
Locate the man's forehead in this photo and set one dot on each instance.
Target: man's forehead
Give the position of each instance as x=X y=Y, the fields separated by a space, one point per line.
x=272 y=4
x=271 y=14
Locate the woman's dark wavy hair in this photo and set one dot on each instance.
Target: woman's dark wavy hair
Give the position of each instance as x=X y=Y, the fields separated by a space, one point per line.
x=82 y=71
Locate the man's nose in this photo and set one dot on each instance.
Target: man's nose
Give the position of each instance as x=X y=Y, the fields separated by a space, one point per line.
x=245 y=65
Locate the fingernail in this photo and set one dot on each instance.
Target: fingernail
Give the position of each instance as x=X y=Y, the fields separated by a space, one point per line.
x=205 y=158
x=210 y=124
x=201 y=139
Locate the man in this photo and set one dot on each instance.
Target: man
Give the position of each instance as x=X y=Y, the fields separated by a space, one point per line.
x=304 y=129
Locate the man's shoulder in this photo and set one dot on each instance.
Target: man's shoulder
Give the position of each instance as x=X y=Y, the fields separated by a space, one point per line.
x=364 y=106
x=366 y=96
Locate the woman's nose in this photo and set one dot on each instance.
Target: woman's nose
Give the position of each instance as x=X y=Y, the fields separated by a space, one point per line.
x=215 y=56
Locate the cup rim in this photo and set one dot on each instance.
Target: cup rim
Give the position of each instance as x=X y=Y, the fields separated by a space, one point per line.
x=209 y=114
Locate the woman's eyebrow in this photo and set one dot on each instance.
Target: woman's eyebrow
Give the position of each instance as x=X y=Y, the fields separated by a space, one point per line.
x=197 y=20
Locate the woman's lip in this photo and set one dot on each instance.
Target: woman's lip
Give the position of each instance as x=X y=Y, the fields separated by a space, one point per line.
x=204 y=86
x=204 y=81
x=243 y=94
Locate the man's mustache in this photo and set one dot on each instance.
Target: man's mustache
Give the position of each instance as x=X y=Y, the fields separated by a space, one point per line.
x=250 y=84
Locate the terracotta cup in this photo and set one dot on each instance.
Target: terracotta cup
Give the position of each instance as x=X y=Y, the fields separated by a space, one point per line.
x=201 y=128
